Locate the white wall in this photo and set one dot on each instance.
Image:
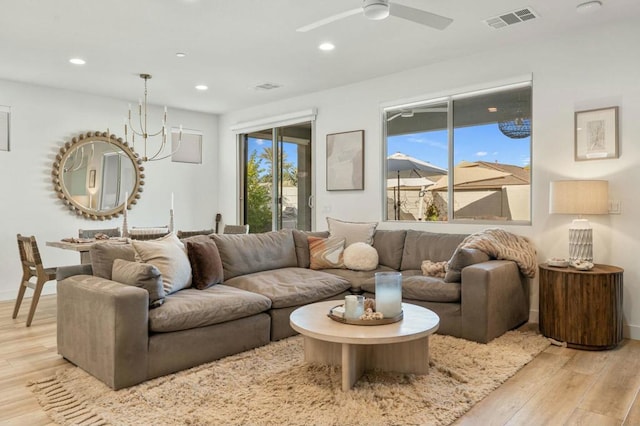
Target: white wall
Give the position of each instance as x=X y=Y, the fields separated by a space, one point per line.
x=570 y=73
x=42 y=120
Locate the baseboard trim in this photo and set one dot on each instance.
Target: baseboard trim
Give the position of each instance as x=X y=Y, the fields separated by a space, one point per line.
x=11 y=295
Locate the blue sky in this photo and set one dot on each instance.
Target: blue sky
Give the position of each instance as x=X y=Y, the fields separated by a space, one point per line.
x=475 y=143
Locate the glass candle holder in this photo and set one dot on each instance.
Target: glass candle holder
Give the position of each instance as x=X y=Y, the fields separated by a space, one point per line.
x=389 y=293
x=353 y=306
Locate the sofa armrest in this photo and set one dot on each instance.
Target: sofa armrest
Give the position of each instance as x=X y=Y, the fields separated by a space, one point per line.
x=103 y=328
x=495 y=299
x=63 y=272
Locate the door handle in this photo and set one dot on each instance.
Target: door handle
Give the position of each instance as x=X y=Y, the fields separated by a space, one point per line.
x=310 y=201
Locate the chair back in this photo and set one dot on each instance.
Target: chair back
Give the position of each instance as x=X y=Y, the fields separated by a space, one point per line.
x=236 y=229
x=151 y=233
x=187 y=234
x=90 y=233
x=29 y=253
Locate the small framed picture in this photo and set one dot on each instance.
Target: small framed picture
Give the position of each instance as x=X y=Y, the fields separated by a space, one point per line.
x=345 y=161
x=92 y=178
x=596 y=134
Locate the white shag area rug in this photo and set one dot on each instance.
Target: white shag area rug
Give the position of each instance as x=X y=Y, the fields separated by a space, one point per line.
x=272 y=385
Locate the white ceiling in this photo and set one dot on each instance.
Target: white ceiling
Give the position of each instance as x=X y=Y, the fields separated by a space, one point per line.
x=233 y=45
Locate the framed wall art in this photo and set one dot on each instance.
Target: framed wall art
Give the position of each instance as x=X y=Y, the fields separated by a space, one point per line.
x=596 y=134
x=345 y=161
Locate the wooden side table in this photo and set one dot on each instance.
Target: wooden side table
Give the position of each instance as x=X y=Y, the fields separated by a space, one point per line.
x=582 y=308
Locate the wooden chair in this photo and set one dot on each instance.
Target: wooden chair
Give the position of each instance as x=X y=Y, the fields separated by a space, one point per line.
x=31 y=267
x=236 y=229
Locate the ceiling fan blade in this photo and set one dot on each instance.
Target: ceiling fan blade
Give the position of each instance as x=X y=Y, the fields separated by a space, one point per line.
x=329 y=20
x=419 y=16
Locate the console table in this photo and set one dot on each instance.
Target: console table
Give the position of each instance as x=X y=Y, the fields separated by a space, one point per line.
x=582 y=308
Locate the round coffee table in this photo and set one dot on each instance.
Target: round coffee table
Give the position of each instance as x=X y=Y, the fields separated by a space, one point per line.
x=401 y=347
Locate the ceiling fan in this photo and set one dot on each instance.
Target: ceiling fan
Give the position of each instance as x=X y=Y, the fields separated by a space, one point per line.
x=409 y=113
x=381 y=9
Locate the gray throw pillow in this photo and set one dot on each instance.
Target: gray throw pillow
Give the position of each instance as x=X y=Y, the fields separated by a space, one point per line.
x=103 y=255
x=142 y=275
x=462 y=258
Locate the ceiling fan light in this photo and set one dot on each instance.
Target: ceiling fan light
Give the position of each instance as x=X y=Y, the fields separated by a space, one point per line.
x=376 y=9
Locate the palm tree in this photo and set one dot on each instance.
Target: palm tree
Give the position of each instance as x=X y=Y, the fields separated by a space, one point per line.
x=289 y=171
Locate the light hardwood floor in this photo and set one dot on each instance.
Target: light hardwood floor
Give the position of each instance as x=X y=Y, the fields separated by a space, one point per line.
x=559 y=387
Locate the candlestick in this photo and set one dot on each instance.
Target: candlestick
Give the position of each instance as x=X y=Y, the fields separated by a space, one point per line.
x=172 y=201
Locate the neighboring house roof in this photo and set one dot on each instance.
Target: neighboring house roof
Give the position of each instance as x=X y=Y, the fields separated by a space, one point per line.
x=484 y=175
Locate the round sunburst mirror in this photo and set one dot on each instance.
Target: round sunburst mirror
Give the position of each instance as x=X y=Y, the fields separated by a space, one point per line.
x=94 y=172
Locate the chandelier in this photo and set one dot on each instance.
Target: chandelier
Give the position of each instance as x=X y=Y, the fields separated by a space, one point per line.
x=149 y=154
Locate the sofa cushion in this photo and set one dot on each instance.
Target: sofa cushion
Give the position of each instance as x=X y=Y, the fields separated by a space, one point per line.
x=142 y=275
x=462 y=258
x=206 y=266
x=390 y=245
x=243 y=254
x=169 y=256
x=191 y=308
x=326 y=252
x=352 y=232
x=103 y=255
x=302 y=245
x=291 y=286
x=416 y=286
x=420 y=245
x=360 y=257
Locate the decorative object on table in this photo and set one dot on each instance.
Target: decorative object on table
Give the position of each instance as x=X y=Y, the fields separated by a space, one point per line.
x=125 y=227
x=389 y=293
x=345 y=161
x=579 y=197
x=143 y=131
x=369 y=317
x=582 y=265
x=171 y=215
x=353 y=306
x=97 y=193
x=596 y=134
x=558 y=262
x=218 y=219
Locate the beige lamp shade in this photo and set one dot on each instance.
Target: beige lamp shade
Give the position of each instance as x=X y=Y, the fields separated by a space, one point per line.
x=579 y=197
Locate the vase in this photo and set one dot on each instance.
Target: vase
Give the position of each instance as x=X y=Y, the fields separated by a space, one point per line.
x=389 y=293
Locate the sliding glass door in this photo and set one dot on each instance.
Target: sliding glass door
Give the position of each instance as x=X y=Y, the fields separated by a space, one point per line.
x=276 y=178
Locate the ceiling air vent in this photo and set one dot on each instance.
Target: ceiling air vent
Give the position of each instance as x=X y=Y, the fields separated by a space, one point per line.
x=510 y=18
x=267 y=86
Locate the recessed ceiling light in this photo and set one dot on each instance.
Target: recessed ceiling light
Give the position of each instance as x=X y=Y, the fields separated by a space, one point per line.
x=181 y=54
x=588 y=7
x=327 y=46
x=202 y=87
x=77 y=61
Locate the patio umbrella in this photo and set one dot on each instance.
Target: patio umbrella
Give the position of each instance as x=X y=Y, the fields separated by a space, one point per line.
x=399 y=162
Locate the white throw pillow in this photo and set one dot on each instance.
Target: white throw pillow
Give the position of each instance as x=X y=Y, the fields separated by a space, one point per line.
x=352 y=232
x=360 y=257
x=170 y=257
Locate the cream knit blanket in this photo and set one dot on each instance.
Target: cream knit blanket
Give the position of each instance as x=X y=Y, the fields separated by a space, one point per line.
x=504 y=245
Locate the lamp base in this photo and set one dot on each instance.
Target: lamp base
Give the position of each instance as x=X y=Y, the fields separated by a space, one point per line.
x=580 y=241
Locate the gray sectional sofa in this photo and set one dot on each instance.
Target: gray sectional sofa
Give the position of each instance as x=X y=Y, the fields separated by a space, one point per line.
x=107 y=328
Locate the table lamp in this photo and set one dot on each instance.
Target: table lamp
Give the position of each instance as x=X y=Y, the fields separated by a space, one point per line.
x=579 y=197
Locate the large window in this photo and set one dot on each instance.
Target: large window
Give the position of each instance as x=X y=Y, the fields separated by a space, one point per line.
x=465 y=157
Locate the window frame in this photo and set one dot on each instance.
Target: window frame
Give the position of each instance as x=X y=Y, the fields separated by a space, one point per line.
x=426 y=101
